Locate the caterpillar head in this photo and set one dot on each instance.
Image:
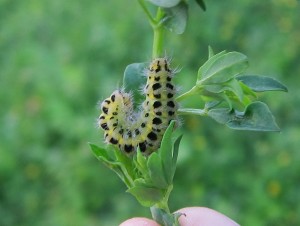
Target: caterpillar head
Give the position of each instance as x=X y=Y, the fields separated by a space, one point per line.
x=159 y=65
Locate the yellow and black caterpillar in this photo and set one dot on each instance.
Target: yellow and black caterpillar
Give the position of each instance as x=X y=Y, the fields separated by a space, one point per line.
x=144 y=128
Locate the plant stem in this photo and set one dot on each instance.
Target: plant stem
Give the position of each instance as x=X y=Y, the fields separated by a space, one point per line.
x=164 y=203
x=158 y=29
x=192 y=111
x=161 y=212
x=158 y=37
x=148 y=14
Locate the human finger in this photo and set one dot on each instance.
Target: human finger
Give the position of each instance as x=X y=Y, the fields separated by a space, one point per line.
x=192 y=216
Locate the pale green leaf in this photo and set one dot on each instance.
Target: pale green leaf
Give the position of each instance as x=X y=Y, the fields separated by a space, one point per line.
x=220 y=69
x=231 y=85
x=165 y=151
x=175 y=156
x=100 y=152
x=165 y=3
x=134 y=79
x=256 y=117
x=176 y=18
x=262 y=83
x=156 y=171
x=208 y=64
x=145 y=194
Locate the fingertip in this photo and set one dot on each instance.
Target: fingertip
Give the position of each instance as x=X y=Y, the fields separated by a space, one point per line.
x=204 y=216
x=141 y=221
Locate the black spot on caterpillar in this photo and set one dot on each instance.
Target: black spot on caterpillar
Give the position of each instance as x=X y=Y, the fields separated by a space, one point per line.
x=156 y=121
x=157 y=78
x=157 y=104
x=113 y=140
x=152 y=136
x=155 y=86
x=105 y=110
x=170 y=86
x=113 y=98
x=143 y=129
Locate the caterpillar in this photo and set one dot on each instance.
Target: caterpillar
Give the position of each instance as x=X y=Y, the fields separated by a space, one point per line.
x=144 y=128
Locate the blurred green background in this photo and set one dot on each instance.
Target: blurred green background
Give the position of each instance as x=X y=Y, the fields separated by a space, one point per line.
x=59 y=58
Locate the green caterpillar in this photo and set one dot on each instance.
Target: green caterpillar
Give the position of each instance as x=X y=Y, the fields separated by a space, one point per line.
x=144 y=128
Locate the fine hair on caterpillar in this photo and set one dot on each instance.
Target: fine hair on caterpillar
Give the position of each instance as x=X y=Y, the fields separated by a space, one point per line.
x=143 y=128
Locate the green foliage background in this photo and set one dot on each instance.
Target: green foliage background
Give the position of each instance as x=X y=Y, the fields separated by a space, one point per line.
x=59 y=58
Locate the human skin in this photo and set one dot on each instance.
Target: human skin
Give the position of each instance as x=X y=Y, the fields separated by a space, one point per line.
x=191 y=216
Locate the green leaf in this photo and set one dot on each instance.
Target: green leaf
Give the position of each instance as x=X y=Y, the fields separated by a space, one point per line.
x=102 y=154
x=168 y=153
x=231 y=91
x=220 y=97
x=165 y=152
x=134 y=79
x=201 y=4
x=247 y=91
x=120 y=165
x=145 y=194
x=211 y=104
x=127 y=163
x=231 y=85
x=141 y=163
x=221 y=115
x=176 y=18
x=175 y=156
x=99 y=151
x=261 y=83
x=221 y=68
x=256 y=117
x=156 y=171
x=208 y=64
x=165 y=3
x=117 y=167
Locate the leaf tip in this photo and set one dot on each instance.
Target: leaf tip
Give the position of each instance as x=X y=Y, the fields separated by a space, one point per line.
x=202 y=5
x=210 y=52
